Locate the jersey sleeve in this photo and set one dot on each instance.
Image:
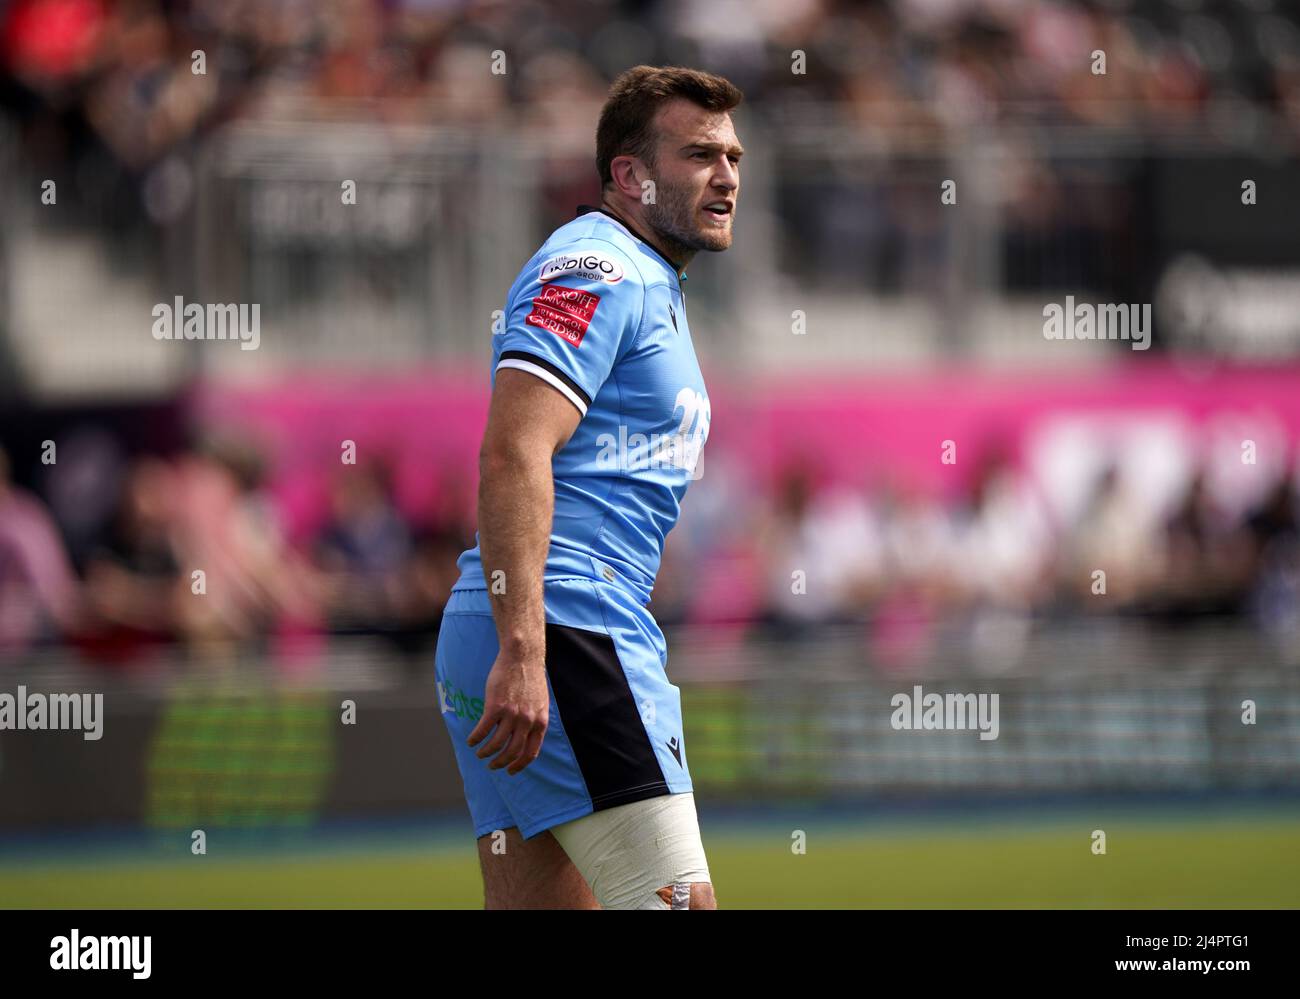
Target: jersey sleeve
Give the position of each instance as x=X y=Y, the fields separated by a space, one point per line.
x=572 y=318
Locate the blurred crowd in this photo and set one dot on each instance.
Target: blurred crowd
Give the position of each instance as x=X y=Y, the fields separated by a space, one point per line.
x=105 y=91
x=118 y=557
x=993 y=560
x=107 y=97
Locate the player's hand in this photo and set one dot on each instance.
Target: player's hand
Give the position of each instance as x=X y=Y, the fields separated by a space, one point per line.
x=518 y=703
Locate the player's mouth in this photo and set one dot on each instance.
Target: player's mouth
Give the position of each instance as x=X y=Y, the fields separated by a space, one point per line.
x=719 y=210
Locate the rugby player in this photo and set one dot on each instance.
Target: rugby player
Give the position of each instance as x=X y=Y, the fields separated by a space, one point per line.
x=550 y=668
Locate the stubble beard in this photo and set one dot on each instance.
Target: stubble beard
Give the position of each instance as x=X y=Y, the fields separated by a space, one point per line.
x=672 y=219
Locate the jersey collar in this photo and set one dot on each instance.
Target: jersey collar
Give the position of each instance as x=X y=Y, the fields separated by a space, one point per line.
x=585 y=209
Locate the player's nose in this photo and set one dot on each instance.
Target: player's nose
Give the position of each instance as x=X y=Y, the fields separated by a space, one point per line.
x=726 y=176
x=725 y=180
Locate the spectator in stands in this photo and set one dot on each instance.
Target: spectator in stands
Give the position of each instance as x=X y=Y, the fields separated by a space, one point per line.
x=1206 y=561
x=138 y=579
x=1274 y=533
x=363 y=551
x=257 y=585
x=1110 y=535
x=823 y=554
x=38 y=595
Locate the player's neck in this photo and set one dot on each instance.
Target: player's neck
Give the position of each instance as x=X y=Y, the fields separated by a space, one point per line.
x=671 y=250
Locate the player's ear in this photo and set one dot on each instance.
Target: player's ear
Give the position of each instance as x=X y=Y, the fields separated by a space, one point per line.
x=627 y=172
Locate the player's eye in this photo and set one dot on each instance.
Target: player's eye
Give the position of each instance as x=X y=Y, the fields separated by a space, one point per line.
x=699 y=154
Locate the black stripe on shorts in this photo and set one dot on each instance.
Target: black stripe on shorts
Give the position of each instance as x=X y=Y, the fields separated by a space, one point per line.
x=601 y=718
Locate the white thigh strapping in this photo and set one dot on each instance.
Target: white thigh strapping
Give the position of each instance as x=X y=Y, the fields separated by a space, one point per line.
x=629 y=852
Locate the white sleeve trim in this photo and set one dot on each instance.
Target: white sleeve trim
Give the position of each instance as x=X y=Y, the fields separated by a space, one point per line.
x=546 y=376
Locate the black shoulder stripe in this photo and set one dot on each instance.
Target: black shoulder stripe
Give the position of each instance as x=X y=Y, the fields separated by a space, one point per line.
x=541 y=362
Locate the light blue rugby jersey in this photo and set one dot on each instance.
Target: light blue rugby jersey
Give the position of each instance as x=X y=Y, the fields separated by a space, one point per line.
x=600 y=315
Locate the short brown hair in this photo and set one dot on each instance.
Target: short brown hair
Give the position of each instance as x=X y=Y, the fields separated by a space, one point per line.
x=634 y=98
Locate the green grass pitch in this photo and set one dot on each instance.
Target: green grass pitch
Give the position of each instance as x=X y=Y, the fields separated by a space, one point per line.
x=1212 y=862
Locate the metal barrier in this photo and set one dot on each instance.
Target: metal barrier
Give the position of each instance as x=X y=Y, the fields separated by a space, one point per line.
x=889 y=245
x=382 y=245
x=365 y=243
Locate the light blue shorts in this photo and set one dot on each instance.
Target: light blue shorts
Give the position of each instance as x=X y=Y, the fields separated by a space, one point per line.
x=615 y=729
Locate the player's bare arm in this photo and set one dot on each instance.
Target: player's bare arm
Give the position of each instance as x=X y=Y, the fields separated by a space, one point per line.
x=528 y=422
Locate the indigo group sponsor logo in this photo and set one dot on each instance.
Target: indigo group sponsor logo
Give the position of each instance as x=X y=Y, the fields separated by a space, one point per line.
x=588 y=266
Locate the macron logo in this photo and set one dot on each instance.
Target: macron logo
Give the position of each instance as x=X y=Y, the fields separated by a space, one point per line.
x=78 y=953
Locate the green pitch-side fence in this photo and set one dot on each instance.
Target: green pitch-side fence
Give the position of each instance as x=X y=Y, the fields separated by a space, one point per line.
x=357 y=734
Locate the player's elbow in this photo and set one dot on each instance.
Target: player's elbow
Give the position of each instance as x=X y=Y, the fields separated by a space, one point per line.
x=495 y=461
x=504 y=457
